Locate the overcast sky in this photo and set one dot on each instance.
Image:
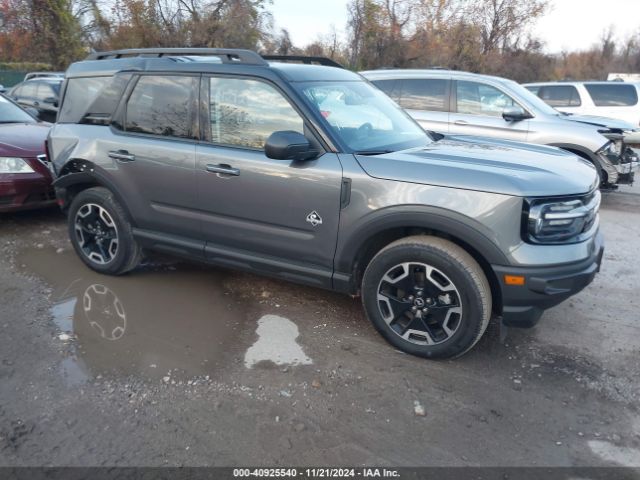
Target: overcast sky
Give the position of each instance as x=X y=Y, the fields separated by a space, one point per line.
x=570 y=25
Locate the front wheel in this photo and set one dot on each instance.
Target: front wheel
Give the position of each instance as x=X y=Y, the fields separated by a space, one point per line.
x=427 y=297
x=101 y=233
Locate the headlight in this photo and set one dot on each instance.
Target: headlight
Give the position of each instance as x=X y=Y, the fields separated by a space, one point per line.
x=615 y=147
x=562 y=220
x=14 y=165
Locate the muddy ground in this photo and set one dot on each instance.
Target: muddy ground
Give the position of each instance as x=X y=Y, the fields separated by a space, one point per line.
x=178 y=364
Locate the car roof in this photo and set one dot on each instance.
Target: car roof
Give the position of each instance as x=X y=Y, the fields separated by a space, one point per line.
x=224 y=61
x=431 y=73
x=582 y=82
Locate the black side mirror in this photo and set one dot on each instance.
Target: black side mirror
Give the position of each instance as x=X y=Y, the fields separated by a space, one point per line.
x=289 y=145
x=515 y=113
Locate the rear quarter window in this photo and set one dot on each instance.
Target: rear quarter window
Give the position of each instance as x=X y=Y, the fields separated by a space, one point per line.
x=92 y=100
x=614 y=95
x=388 y=87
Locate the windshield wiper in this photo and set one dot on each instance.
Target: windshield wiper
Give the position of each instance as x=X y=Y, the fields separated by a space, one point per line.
x=373 y=152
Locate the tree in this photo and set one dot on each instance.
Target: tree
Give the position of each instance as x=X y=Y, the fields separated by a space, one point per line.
x=503 y=21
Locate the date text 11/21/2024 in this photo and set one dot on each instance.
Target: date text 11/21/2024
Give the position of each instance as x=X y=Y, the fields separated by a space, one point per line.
x=315 y=473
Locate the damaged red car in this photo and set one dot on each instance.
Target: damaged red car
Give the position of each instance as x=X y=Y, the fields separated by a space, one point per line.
x=25 y=179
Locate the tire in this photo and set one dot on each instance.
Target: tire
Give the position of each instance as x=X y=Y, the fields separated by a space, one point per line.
x=95 y=220
x=427 y=274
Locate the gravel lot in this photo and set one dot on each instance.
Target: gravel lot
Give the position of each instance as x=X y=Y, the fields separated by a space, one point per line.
x=178 y=364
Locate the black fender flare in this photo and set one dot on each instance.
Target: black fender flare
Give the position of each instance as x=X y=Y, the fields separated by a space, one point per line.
x=90 y=176
x=436 y=219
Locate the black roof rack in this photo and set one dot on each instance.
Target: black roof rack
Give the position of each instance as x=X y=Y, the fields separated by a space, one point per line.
x=327 y=62
x=226 y=55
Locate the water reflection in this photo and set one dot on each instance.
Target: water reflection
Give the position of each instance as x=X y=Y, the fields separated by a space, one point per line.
x=147 y=323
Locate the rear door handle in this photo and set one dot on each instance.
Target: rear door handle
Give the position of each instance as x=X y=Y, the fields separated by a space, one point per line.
x=461 y=122
x=223 y=168
x=122 y=155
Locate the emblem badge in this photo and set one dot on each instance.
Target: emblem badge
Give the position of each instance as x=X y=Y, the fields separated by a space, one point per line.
x=314 y=219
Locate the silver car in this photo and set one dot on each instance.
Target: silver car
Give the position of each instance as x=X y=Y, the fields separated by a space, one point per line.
x=461 y=103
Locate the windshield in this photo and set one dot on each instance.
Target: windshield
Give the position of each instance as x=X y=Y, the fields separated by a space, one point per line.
x=11 y=113
x=363 y=117
x=532 y=99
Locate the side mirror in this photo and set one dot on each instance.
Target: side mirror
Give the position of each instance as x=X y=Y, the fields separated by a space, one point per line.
x=515 y=113
x=289 y=145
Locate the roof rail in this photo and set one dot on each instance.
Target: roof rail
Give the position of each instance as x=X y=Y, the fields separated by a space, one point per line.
x=226 y=55
x=327 y=62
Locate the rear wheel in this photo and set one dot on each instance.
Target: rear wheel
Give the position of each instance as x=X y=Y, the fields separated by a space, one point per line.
x=427 y=297
x=101 y=233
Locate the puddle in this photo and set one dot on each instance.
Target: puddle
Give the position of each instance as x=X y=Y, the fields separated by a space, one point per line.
x=148 y=323
x=276 y=343
x=623 y=456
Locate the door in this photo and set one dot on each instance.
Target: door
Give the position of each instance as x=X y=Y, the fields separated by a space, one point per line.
x=152 y=153
x=478 y=111
x=258 y=213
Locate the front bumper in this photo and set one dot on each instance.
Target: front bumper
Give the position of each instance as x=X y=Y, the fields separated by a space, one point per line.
x=621 y=169
x=545 y=287
x=25 y=191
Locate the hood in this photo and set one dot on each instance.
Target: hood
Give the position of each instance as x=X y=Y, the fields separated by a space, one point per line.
x=603 y=122
x=498 y=166
x=23 y=139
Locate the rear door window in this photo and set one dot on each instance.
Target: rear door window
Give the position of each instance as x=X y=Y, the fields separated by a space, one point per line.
x=163 y=106
x=560 y=95
x=424 y=94
x=612 y=95
x=389 y=87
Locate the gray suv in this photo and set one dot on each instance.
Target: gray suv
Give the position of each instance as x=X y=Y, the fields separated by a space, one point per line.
x=461 y=103
x=308 y=173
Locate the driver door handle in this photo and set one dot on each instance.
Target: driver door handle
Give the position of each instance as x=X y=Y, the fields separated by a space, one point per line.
x=122 y=155
x=461 y=122
x=223 y=168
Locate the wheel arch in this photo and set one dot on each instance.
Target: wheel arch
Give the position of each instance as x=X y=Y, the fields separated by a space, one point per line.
x=354 y=256
x=78 y=175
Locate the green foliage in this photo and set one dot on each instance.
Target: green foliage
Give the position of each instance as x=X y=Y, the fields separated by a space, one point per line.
x=26 y=67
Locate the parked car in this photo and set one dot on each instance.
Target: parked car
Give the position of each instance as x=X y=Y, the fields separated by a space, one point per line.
x=42 y=94
x=225 y=158
x=460 y=103
x=3 y=89
x=25 y=179
x=616 y=100
x=32 y=75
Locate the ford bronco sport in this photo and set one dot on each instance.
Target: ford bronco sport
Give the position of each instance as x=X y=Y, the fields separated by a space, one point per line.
x=309 y=173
